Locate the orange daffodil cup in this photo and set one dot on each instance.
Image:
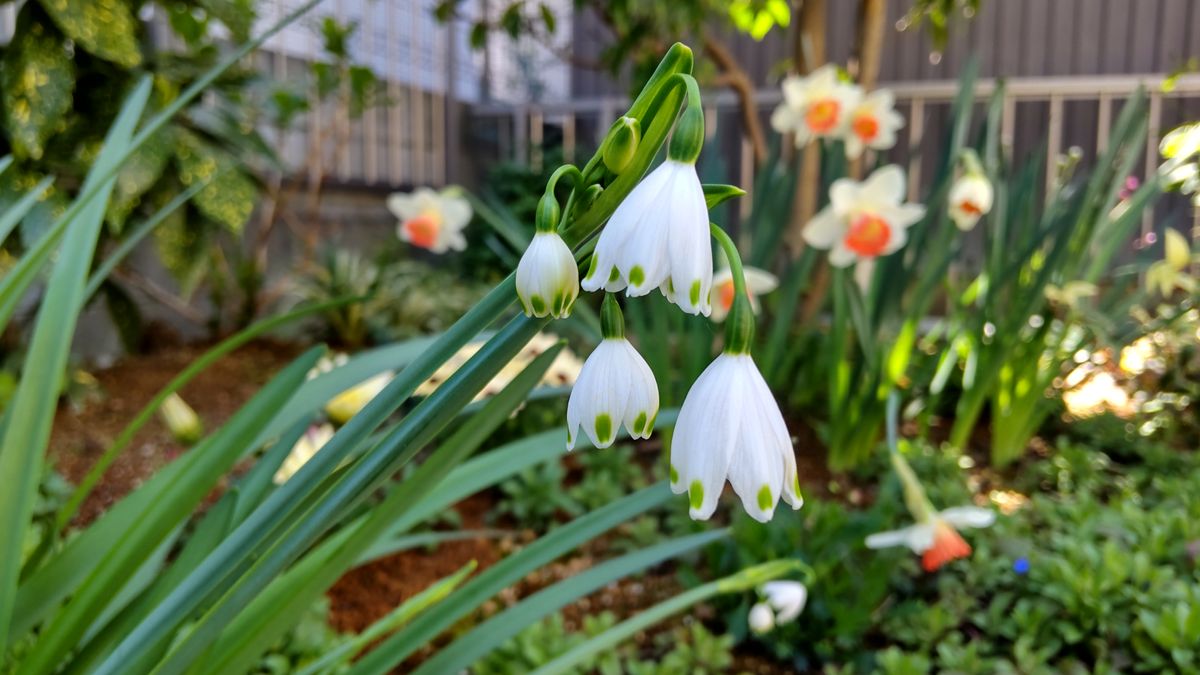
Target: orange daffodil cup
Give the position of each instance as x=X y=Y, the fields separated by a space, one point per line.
x=864 y=220
x=431 y=220
x=824 y=106
x=971 y=195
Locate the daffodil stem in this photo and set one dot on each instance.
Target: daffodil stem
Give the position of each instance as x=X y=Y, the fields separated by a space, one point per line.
x=612 y=322
x=914 y=493
x=739 y=327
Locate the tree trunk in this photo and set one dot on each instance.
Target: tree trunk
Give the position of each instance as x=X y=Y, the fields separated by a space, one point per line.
x=808 y=54
x=735 y=78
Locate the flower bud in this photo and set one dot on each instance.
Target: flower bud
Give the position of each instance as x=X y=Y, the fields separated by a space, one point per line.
x=181 y=420
x=761 y=618
x=621 y=144
x=548 y=214
x=688 y=138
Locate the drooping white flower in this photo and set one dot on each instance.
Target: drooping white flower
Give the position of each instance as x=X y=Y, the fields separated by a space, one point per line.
x=970 y=199
x=935 y=538
x=547 y=277
x=758 y=282
x=658 y=238
x=431 y=220
x=864 y=220
x=347 y=404
x=816 y=106
x=615 y=387
x=730 y=428
x=787 y=598
x=761 y=619
x=314 y=438
x=873 y=123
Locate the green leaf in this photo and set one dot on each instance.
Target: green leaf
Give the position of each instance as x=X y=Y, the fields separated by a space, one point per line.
x=547 y=17
x=228 y=196
x=105 y=28
x=479 y=35
x=257 y=626
x=715 y=195
x=507 y=572
x=18 y=195
x=125 y=315
x=34 y=404
x=492 y=633
x=36 y=85
x=237 y=15
x=143 y=169
x=184 y=492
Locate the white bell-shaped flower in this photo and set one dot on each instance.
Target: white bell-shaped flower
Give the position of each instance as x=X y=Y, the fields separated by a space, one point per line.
x=615 y=387
x=761 y=619
x=864 y=220
x=787 y=598
x=730 y=428
x=547 y=277
x=970 y=199
x=873 y=123
x=658 y=238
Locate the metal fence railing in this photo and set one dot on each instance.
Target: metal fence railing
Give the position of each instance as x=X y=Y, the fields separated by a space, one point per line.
x=1059 y=112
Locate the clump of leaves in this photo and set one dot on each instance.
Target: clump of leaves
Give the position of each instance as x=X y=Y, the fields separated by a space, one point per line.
x=536 y=497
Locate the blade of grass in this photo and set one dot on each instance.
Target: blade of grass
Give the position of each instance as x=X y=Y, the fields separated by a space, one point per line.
x=193 y=369
x=490 y=634
x=35 y=401
x=507 y=572
x=249 y=635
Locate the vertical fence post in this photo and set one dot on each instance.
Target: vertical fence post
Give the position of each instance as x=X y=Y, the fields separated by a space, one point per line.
x=536 y=129
x=1054 y=142
x=1103 y=122
x=916 y=134
x=1152 y=132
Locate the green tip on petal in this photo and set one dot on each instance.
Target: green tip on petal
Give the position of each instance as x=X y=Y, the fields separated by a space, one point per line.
x=764 y=498
x=696 y=494
x=636 y=276
x=674 y=474
x=539 y=305
x=639 y=423
x=604 y=428
x=694 y=293
x=614 y=274
x=591 y=268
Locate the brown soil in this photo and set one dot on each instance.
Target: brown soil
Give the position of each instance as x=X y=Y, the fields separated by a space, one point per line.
x=83 y=431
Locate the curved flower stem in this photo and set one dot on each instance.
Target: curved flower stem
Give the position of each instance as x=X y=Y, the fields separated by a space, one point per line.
x=914 y=493
x=739 y=327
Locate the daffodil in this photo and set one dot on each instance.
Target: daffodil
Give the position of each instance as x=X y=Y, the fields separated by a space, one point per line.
x=547 y=276
x=431 y=220
x=873 y=123
x=970 y=199
x=864 y=220
x=658 y=238
x=615 y=387
x=314 y=438
x=816 y=106
x=730 y=428
x=758 y=282
x=347 y=404
x=934 y=536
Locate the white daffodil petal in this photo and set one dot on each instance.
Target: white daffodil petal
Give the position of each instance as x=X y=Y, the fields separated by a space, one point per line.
x=885 y=185
x=968 y=516
x=840 y=256
x=824 y=230
x=918 y=538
